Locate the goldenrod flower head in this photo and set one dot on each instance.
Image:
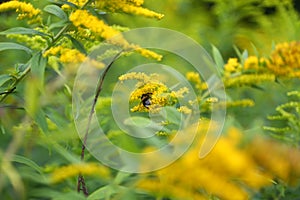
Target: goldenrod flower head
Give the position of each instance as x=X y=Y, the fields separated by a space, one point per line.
x=232 y=66
x=25 y=10
x=156 y=92
x=285 y=59
x=251 y=63
x=82 y=18
x=127 y=6
x=65 y=172
x=195 y=79
x=184 y=110
x=67 y=55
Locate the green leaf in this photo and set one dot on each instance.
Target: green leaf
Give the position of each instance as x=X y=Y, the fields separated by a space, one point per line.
x=12 y=45
x=40 y=119
x=4 y=78
x=57 y=11
x=244 y=56
x=25 y=31
x=173 y=116
x=38 y=65
x=238 y=52
x=57 y=24
x=106 y=192
x=77 y=44
x=218 y=58
x=121 y=176
x=28 y=162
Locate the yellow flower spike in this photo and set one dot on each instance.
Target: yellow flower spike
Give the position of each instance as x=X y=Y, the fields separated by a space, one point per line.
x=149 y=54
x=25 y=10
x=82 y=18
x=248 y=79
x=65 y=172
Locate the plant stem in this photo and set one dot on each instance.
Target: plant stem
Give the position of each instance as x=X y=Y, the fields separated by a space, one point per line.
x=81 y=181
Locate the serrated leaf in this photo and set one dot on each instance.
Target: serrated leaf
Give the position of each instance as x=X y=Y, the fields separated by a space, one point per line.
x=77 y=44
x=218 y=58
x=24 y=31
x=57 y=11
x=12 y=45
x=4 y=78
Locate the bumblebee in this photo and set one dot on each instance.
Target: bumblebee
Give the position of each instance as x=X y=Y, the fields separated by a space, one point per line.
x=146 y=99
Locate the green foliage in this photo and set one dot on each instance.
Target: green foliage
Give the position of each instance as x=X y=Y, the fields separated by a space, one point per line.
x=289 y=116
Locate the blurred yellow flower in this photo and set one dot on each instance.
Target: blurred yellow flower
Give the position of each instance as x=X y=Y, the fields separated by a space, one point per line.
x=232 y=66
x=251 y=63
x=229 y=171
x=285 y=59
x=65 y=172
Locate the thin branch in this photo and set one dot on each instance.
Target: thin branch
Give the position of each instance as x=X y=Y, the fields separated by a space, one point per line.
x=81 y=183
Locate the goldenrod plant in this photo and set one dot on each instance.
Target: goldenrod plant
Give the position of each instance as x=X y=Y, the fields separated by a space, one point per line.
x=255 y=49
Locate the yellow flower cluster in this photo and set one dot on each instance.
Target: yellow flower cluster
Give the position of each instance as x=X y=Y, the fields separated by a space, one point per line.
x=150 y=87
x=194 y=78
x=232 y=66
x=228 y=172
x=81 y=18
x=67 y=55
x=78 y=3
x=251 y=63
x=148 y=54
x=65 y=172
x=285 y=59
x=184 y=110
x=127 y=6
x=25 y=10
